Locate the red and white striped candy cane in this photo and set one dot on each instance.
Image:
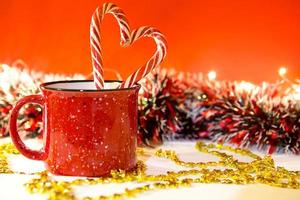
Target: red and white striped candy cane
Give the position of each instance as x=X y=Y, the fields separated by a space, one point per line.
x=154 y=61
x=95 y=38
x=127 y=38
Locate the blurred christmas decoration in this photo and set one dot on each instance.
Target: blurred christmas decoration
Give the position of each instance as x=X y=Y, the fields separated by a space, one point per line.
x=175 y=105
x=193 y=106
x=17 y=81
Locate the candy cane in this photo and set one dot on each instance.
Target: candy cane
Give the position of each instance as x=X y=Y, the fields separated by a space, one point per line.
x=154 y=61
x=127 y=38
x=95 y=38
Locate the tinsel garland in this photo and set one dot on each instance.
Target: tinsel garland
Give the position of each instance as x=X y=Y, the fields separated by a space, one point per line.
x=227 y=170
x=191 y=106
x=185 y=106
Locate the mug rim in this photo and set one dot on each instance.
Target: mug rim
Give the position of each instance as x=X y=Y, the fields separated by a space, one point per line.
x=43 y=86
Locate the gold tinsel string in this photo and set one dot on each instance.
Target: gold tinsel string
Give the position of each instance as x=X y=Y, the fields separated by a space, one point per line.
x=261 y=170
x=4 y=150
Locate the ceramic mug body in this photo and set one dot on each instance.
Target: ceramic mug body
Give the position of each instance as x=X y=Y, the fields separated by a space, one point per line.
x=86 y=132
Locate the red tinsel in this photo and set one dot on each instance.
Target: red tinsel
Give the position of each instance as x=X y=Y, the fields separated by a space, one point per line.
x=184 y=106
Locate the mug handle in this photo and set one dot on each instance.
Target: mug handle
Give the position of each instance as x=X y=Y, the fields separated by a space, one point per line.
x=23 y=149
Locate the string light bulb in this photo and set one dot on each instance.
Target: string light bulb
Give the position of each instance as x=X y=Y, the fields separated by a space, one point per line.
x=282 y=71
x=212 y=75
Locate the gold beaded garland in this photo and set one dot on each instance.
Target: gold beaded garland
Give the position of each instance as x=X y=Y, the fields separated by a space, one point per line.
x=4 y=150
x=260 y=170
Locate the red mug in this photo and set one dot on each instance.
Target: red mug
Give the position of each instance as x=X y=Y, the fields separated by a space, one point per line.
x=87 y=132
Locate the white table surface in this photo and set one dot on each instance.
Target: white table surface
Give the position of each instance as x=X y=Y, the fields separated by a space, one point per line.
x=11 y=185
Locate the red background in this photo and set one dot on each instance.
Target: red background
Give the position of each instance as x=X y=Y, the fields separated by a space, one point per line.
x=247 y=39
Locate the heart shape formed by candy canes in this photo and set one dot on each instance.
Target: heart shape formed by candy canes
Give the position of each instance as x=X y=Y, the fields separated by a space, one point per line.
x=127 y=38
